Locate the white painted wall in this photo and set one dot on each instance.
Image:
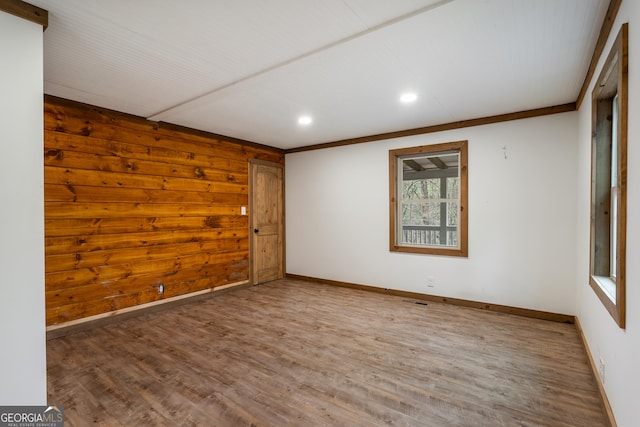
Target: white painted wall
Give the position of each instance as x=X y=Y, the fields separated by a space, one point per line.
x=522 y=211
x=618 y=348
x=22 y=321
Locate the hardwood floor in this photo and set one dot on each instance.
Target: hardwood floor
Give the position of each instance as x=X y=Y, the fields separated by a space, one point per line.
x=304 y=354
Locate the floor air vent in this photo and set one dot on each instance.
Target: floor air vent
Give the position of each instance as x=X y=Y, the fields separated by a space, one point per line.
x=415 y=302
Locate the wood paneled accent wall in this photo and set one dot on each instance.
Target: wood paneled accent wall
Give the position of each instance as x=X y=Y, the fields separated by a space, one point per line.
x=130 y=204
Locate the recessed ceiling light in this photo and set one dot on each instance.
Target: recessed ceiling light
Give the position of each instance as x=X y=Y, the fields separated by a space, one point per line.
x=305 y=120
x=408 y=97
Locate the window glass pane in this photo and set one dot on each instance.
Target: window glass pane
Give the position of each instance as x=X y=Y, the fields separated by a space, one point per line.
x=406 y=213
x=419 y=189
x=452 y=238
x=614 y=232
x=425 y=213
x=431 y=213
x=614 y=145
x=452 y=214
x=453 y=188
x=418 y=235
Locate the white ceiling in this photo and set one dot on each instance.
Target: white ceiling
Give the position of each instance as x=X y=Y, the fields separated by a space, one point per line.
x=248 y=68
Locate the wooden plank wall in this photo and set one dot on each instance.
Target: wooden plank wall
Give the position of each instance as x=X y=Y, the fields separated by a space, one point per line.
x=130 y=204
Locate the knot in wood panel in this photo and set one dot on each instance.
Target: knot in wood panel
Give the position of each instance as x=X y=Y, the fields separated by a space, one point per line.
x=213 y=222
x=54 y=153
x=199 y=173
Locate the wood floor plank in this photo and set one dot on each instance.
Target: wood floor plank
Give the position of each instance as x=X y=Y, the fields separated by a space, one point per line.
x=296 y=353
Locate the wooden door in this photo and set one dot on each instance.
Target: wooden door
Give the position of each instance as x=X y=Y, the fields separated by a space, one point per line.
x=267 y=221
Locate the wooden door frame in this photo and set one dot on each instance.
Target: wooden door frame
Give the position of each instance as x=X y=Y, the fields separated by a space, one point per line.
x=252 y=165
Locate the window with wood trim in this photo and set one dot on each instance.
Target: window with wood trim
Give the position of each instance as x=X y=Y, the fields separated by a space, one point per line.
x=607 y=266
x=428 y=199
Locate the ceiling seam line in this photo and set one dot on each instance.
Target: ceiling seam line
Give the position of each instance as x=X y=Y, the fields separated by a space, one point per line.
x=378 y=27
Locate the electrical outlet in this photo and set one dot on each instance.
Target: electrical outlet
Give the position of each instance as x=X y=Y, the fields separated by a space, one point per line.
x=431 y=282
x=601 y=370
x=161 y=288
